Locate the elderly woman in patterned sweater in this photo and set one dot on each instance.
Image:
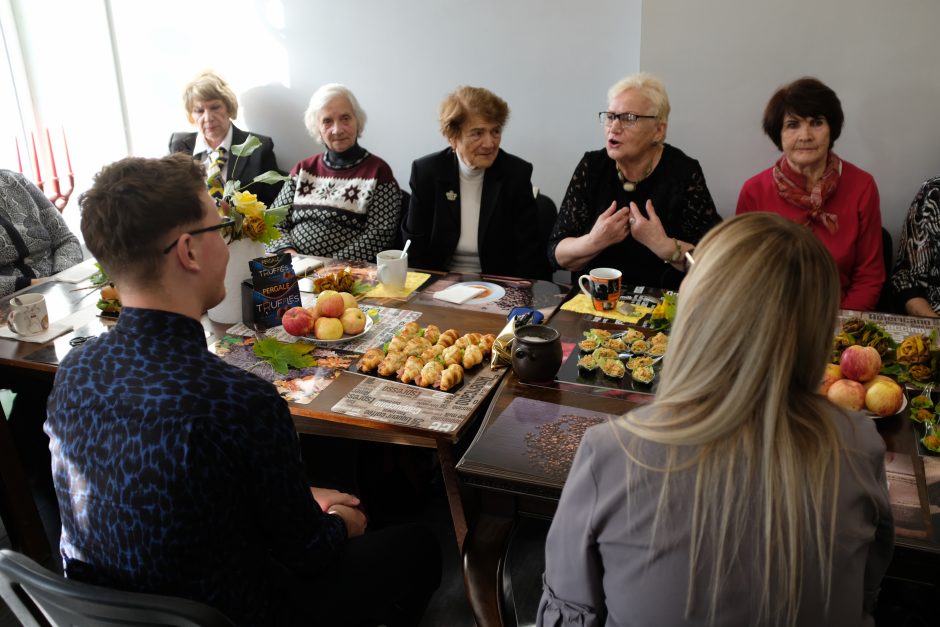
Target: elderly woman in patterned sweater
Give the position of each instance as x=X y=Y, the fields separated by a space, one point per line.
x=35 y=242
x=344 y=202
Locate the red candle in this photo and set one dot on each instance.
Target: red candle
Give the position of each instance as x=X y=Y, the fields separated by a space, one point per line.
x=68 y=159
x=32 y=136
x=19 y=160
x=55 y=174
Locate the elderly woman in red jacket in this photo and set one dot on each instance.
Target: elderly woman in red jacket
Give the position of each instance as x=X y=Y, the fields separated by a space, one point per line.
x=811 y=185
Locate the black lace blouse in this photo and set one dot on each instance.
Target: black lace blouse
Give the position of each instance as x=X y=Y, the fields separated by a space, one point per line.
x=680 y=197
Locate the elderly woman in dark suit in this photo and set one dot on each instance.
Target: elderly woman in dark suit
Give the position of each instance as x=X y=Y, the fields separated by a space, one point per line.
x=472 y=208
x=210 y=106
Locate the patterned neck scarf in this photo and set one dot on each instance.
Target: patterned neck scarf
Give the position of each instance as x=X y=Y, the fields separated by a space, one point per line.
x=791 y=186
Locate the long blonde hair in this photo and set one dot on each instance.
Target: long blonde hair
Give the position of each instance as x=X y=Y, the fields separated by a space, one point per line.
x=738 y=401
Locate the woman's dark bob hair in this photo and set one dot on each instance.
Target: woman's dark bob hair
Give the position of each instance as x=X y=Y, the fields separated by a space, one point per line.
x=806 y=97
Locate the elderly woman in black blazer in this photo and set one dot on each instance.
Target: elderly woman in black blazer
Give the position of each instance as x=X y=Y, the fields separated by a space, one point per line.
x=211 y=105
x=472 y=208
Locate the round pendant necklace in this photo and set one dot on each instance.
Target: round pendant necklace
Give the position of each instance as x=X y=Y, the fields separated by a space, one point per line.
x=628 y=185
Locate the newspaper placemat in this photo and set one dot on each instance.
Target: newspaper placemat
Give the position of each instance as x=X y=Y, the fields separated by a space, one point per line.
x=895 y=325
x=407 y=405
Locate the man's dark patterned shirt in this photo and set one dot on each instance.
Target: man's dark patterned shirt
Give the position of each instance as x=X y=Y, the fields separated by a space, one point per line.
x=179 y=474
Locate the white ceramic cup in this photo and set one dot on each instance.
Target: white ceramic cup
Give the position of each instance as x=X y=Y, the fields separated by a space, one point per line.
x=28 y=314
x=393 y=268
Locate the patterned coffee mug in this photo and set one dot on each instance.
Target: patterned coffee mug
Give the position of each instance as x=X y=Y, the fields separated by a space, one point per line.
x=28 y=314
x=604 y=289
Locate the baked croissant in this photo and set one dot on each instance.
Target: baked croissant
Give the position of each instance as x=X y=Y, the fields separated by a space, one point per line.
x=452 y=355
x=448 y=337
x=411 y=370
x=467 y=340
x=371 y=359
x=486 y=343
x=450 y=378
x=416 y=346
x=472 y=355
x=432 y=333
x=429 y=373
x=397 y=344
x=433 y=352
x=391 y=363
x=410 y=330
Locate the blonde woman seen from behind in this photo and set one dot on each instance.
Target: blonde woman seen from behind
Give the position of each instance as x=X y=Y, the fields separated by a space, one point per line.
x=748 y=498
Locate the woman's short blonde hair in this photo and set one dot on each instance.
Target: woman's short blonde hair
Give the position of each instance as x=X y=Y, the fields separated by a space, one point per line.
x=466 y=101
x=324 y=96
x=651 y=87
x=209 y=86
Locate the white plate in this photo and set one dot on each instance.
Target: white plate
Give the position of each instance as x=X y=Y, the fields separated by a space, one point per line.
x=492 y=292
x=345 y=337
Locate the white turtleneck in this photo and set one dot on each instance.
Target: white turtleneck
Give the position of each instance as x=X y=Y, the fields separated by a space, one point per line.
x=467 y=254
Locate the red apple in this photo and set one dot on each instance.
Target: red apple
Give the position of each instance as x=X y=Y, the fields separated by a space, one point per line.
x=354 y=321
x=328 y=329
x=832 y=374
x=330 y=304
x=884 y=398
x=348 y=300
x=860 y=363
x=847 y=393
x=297 y=321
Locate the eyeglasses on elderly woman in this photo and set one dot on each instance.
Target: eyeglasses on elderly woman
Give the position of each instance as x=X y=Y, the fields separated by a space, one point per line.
x=607 y=118
x=224 y=224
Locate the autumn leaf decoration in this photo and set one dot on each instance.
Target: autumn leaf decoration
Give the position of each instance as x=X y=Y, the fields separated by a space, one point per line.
x=282 y=356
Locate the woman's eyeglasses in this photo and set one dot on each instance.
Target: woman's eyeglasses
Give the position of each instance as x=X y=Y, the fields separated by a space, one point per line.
x=224 y=224
x=607 y=118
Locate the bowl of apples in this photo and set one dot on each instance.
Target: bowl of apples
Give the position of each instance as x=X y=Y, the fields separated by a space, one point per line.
x=336 y=317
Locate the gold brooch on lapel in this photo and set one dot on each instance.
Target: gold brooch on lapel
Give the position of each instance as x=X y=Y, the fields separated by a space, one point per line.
x=451 y=196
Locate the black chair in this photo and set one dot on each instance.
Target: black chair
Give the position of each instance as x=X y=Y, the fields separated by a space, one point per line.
x=39 y=598
x=17 y=507
x=547 y=215
x=886 y=301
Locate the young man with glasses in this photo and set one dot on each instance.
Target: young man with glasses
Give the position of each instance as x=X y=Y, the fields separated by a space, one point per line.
x=179 y=474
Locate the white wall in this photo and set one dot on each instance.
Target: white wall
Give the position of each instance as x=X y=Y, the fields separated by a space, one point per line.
x=551 y=60
x=721 y=60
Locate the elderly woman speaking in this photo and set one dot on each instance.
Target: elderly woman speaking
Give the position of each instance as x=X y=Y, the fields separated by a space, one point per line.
x=344 y=202
x=472 y=207
x=811 y=185
x=210 y=106
x=639 y=204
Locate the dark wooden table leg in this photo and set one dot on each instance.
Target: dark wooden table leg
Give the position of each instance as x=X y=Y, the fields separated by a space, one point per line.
x=17 y=507
x=446 y=456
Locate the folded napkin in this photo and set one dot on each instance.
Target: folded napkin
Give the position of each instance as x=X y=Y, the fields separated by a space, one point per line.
x=55 y=330
x=303 y=264
x=582 y=304
x=413 y=281
x=77 y=273
x=459 y=294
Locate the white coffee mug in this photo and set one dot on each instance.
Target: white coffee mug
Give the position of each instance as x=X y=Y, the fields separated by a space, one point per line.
x=393 y=268
x=28 y=314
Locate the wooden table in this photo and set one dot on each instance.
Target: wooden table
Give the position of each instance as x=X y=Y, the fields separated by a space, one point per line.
x=519 y=459
x=24 y=361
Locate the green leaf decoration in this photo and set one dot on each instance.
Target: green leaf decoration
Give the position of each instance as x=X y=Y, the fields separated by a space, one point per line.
x=243 y=150
x=99 y=278
x=231 y=186
x=282 y=356
x=359 y=288
x=270 y=177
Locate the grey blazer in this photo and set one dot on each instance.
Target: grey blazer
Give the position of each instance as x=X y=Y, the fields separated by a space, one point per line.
x=598 y=564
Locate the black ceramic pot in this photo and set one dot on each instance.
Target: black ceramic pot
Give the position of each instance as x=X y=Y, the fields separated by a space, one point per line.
x=536 y=353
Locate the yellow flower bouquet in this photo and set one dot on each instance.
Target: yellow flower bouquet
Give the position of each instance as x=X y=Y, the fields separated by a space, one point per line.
x=253 y=220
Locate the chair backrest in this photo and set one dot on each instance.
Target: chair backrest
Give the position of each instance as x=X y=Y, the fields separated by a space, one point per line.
x=39 y=598
x=547 y=216
x=886 y=301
